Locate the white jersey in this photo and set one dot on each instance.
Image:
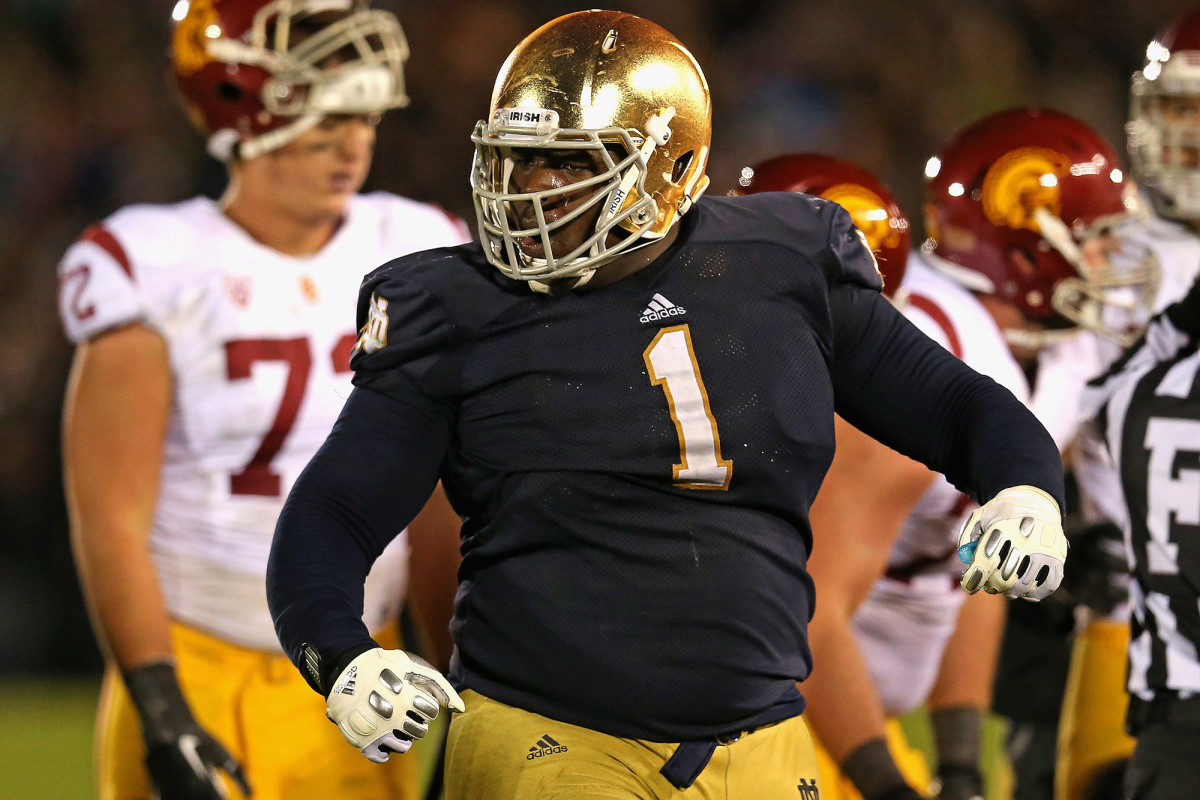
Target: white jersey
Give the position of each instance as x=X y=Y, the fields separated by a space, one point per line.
x=259 y=345
x=904 y=623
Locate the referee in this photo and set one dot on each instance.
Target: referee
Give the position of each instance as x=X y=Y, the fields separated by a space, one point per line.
x=1147 y=407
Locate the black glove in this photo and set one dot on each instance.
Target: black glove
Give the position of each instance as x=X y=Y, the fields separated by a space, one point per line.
x=873 y=772
x=959 y=782
x=1098 y=569
x=182 y=758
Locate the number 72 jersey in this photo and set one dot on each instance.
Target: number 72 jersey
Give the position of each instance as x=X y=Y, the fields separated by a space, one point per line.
x=259 y=346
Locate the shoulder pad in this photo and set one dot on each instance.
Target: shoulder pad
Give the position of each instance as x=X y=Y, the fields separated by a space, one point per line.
x=852 y=255
x=401 y=323
x=97 y=290
x=817 y=229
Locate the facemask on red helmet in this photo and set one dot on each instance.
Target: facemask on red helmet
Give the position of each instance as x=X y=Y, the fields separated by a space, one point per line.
x=257 y=74
x=1029 y=205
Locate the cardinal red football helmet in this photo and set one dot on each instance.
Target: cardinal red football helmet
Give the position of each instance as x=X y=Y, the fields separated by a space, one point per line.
x=1164 y=129
x=872 y=207
x=1011 y=202
x=256 y=74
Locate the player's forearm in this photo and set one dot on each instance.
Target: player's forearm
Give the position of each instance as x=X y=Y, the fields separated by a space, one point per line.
x=963 y=693
x=968 y=665
x=114 y=422
x=369 y=479
x=124 y=598
x=843 y=707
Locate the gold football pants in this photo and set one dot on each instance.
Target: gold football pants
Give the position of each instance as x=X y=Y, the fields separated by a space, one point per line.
x=259 y=707
x=498 y=752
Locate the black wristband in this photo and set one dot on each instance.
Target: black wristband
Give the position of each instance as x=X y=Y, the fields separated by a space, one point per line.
x=161 y=706
x=331 y=668
x=874 y=773
x=957 y=731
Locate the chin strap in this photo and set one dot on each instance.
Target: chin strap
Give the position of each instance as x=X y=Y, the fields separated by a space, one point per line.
x=226 y=144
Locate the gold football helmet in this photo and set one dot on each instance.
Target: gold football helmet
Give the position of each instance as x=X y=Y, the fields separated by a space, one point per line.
x=604 y=81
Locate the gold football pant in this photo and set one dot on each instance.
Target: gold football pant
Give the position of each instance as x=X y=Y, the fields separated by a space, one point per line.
x=498 y=752
x=912 y=764
x=259 y=707
x=1091 y=733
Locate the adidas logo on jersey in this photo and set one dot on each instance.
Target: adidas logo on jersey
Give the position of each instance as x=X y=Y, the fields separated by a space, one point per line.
x=347 y=683
x=545 y=747
x=661 y=308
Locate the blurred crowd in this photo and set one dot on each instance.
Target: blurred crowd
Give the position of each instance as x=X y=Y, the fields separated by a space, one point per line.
x=89 y=123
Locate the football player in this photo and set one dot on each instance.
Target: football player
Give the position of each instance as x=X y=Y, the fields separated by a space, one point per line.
x=628 y=391
x=880 y=635
x=1164 y=145
x=212 y=359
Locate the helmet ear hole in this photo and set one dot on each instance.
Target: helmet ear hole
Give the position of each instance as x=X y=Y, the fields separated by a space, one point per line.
x=229 y=91
x=681 y=165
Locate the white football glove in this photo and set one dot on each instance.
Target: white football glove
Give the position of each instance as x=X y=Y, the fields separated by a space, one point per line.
x=384 y=699
x=1014 y=545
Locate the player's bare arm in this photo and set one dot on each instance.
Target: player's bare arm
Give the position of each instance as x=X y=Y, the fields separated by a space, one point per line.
x=114 y=422
x=115 y=418
x=962 y=695
x=864 y=498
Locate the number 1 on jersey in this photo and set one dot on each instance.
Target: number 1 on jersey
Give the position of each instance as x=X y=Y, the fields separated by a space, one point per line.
x=671 y=362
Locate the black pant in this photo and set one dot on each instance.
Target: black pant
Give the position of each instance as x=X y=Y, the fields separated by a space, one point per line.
x=1166 y=763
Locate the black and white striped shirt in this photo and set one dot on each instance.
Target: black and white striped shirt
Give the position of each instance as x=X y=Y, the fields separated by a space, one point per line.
x=1147 y=407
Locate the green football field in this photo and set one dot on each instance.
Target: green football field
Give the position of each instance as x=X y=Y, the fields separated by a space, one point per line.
x=46 y=741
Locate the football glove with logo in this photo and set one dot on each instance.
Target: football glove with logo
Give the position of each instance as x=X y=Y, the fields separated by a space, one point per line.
x=1014 y=545
x=383 y=700
x=183 y=759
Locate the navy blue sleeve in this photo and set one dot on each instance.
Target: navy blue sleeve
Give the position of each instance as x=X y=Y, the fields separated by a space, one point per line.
x=368 y=480
x=894 y=383
x=850 y=253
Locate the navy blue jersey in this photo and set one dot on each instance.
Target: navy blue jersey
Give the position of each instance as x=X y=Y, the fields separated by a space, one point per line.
x=635 y=464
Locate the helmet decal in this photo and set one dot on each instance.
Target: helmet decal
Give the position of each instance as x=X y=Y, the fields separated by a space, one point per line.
x=189 y=42
x=869 y=211
x=1021 y=182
